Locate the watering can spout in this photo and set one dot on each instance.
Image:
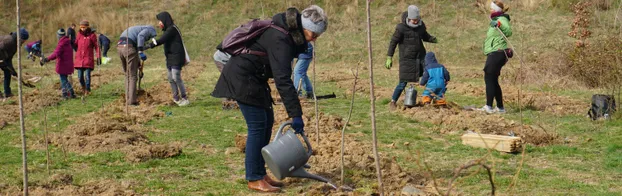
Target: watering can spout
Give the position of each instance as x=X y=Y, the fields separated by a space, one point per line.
x=301 y=173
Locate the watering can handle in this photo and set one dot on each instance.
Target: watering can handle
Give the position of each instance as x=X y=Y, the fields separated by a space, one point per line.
x=282 y=131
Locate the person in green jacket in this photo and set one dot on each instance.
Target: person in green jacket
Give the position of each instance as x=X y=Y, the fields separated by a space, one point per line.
x=497 y=52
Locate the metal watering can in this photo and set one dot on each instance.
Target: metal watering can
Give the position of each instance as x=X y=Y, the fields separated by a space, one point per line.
x=410 y=98
x=286 y=157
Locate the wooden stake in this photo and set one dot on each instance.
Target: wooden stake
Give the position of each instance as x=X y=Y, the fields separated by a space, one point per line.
x=373 y=102
x=21 y=101
x=317 y=107
x=343 y=130
x=127 y=54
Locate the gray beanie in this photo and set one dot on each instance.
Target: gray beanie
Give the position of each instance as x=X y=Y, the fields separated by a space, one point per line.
x=60 y=33
x=413 y=12
x=314 y=19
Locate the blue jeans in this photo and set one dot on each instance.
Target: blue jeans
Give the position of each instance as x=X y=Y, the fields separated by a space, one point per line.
x=300 y=71
x=398 y=91
x=66 y=87
x=259 y=122
x=85 y=78
x=7 y=83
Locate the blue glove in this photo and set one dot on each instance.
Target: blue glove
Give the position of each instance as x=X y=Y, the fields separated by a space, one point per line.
x=298 y=125
x=494 y=23
x=142 y=56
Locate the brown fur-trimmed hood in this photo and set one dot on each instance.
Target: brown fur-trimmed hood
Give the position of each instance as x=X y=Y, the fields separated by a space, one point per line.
x=293 y=21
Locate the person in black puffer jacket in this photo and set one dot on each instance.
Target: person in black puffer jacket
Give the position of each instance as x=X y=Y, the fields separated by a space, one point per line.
x=245 y=79
x=175 y=53
x=409 y=34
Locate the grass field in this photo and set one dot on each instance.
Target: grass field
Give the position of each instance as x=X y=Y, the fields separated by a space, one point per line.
x=567 y=154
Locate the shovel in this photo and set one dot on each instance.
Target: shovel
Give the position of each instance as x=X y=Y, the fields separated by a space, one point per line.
x=141 y=74
x=26 y=84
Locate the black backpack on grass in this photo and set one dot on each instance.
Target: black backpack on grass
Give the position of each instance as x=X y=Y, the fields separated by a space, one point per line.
x=602 y=106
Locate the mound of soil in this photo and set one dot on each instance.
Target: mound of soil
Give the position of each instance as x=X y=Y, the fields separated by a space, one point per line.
x=157 y=95
x=104 y=130
x=44 y=97
x=148 y=152
x=358 y=157
x=240 y=142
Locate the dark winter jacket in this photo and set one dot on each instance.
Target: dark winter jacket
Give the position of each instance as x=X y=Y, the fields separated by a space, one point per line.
x=8 y=48
x=103 y=40
x=435 y=74
x=171 y=39
x=71 y=33
x=245 y=77
x=412 y=51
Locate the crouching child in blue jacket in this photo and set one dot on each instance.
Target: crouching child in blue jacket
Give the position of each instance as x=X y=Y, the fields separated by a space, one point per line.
x=435 y=79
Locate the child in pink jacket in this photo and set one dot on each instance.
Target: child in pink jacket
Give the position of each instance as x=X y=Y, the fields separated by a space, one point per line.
x=63 y=54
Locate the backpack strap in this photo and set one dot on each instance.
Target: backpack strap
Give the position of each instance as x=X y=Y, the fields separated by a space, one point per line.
x=260 y=53
x=282 y=30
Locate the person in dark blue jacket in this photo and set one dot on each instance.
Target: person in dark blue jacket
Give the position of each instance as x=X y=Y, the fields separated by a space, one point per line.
x=104 y=43
x=435 y=79
x=300 y=72
x=71 y=33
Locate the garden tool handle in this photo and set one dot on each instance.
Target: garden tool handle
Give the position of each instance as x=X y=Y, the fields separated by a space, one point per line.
x=282 y=131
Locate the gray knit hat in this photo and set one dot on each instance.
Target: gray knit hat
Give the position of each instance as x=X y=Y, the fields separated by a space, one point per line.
x=314 y=19
x=413 y=12
x=60 y=32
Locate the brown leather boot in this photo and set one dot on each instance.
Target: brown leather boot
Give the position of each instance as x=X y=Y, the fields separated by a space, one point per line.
x=273 y=182
x=392 y=106
x=262 y=186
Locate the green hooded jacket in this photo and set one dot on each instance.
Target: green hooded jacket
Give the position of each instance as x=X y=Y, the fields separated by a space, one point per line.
x=494 y=40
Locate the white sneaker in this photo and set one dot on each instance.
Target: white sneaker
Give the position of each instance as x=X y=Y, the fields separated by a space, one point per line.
x=500 y=110
x=183 y=102
x=487 y=109
x=176 y=102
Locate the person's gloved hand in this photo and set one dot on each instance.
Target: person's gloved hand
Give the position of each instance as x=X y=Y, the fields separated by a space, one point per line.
x=298 y=125
x=389 y=63
x=495 y=23
x=99 y=61
x=149 y=45
x=434 y=40
x=142 y=56
x=43 y=61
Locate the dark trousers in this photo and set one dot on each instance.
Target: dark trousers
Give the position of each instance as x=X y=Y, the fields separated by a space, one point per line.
x=494 y=62
x=84 y=74
x=259 y=121
x=66 y=87
x=105 y=49
x=7 y=82
x=398 y=90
